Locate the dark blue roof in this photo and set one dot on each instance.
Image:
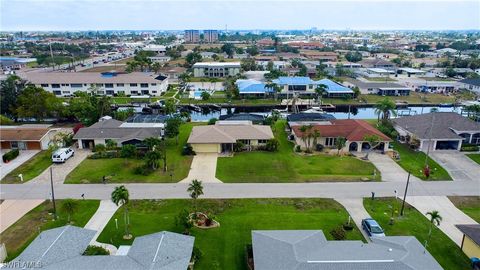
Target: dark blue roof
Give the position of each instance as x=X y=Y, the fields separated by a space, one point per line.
x=300 y=117
x=242 y=117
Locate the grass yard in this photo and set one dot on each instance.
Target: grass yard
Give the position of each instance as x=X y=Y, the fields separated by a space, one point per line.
x=414 y=162
x=287 y=166
x=470 y=205
x=444 y=250
x=120 y=170
x=18 y=236
x=31 y=168
x=224 y=247
x=474 y=157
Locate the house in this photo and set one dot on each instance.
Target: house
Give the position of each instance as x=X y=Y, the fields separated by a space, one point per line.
x=253 y=88
x=308 y=45
x=436 y=87
x=471 y=240
x=172 y=73
x=216 y=69
x=122 y=133
x=62 y=248
x=354 y=131
x=106 y=83
x=320 y=56
x=266 y=42
x=411 y=71
x=26 y=137
x=275 y=64
x=223 y=136
x=254 y=118
x=437 y=131
x=157 y=49
x=306 y=87
x=377 y=63
x=310 y=249
x=472 y=85
x=379 y=88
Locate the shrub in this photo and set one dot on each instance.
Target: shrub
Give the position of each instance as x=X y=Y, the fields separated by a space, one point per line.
x=5 y=120
x=196 y=254
x=272 y=145
x=319 y=147
x=95 y=250
x=338 y=233
x=111 y=144
x=143 y=170
x=348 y=227
x=387 y=128
x=99 y=148
x=128 y=151
x=183 y=220
x=77 y=127
x=212 y=121
x=10 y=155
x=298 y=148
x=188 y=150
x=469 y=148
x=238 y=147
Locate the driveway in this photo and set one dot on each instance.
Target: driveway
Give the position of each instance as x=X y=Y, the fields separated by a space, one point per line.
x=203 y=168
x=13 y=210
x=357 y=211
x=450 y=214
x=390 y=170
x=460 y=167
x=6 y=168
x=61 y=170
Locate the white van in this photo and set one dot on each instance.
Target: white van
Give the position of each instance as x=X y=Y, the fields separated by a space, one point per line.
x=62 y=154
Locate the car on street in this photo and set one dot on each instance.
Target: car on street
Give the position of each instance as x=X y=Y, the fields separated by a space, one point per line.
x=372 y=228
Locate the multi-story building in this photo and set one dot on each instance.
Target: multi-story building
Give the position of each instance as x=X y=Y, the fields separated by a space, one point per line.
x=216 y=69
x=210 y=36
x=192 y=36
x=107 y=83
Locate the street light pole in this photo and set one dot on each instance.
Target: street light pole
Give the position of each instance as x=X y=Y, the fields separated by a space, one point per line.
x=405 y=194
x=53 y=194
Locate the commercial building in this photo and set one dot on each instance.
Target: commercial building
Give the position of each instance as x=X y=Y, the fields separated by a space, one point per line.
x=210 y=36
x=107 y=83
x=216 y=69
x=192 y=36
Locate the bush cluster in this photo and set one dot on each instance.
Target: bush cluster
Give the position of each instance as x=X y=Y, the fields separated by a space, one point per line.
x=469 y=148
x=95 y=250
x=10 y=155
x=338 y=233
x=143 y=170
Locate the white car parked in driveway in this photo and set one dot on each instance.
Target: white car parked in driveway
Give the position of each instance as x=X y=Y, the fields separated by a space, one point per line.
x=62 y=154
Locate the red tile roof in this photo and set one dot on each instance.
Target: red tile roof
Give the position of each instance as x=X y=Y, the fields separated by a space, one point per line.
x=352 y=129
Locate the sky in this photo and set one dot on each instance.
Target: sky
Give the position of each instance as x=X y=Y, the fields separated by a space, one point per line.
x=58 y=15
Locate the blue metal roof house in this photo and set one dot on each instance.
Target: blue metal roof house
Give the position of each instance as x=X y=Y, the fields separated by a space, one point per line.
x=305 y=86
x=253 y=88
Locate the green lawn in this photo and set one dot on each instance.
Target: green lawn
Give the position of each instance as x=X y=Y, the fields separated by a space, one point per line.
x=224 y=247
x=474 y=157
x=31 y=168
x=445 y=251
x=120 y=170
x=287 y=166
x=414 y=162
x=18 y=236
x=470 y=205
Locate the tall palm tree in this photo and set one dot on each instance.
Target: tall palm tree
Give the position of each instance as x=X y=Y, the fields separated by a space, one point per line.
x=120 y=196
x=340 y=143
x=274 y=87
x=435 y=219
x=195 y=188
x=69 y=206
x=320 y=91
x=385 y=108
x=305 y=129
x=152 y=158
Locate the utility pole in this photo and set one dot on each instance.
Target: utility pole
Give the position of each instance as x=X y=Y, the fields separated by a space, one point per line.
x=53 y=195
x=405 y=194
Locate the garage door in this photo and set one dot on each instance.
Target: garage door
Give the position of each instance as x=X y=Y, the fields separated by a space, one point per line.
x=205 y=148
x=447 y=145
x=33 y=146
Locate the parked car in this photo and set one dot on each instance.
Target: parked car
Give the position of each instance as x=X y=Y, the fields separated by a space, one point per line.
x=372 y=228
x=62 y=154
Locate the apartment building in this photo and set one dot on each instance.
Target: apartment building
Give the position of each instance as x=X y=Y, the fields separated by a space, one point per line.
x=216 y=69
x=192 y=36
x=210 y=36
x=65 y=84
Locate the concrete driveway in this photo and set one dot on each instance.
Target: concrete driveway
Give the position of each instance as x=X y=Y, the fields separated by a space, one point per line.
x=61 y=170
x=390 y=170
x=450 y=214
x=13 y=210
x=357 y=211
x=203 y=168
x=6 y=168
x=460 y=167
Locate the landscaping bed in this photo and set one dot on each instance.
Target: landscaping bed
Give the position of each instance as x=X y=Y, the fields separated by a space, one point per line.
x=224 y=247
x=18 y=236
x=287 y=166
x=442 y=248
x=31 y=168
x=470 y=205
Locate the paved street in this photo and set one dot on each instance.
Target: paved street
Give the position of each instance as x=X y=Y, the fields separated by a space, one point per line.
x=460 y=167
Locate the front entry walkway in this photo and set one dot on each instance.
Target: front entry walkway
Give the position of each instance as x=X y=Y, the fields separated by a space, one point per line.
x=357 y=211
x=450 y=214
x=459 y=166
x=390 y=170
x=99 y=220
x=203 y=168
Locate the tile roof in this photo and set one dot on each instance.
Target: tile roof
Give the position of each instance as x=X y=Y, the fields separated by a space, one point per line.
x=22 y=134
x=443 y=123
x=472 y=231
x=310 y=250
x=229 y=133
x=351 y=129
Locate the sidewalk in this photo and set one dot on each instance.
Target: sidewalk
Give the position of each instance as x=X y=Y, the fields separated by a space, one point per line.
x=98 y=222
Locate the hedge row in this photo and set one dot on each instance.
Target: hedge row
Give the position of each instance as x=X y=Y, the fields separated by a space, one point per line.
x=10 y=155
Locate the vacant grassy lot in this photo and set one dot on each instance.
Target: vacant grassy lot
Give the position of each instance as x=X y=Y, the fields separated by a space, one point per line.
x=287 y=166
x=445 y=251
x=121 y=170
x=470 y=205
x=31 y=168
x=18 y=236
x=474 y=157
x=224 y=247
x=414 y=162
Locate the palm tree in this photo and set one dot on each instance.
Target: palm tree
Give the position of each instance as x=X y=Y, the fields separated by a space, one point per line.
x=152 y=158
x=274 y=87
x=69 y=206
x=316 y=135
x=120 y=196
x=320 y=91
x=435 y=219
x=385 y=107
x=196 y=189
x=340 y=143
x=306 y=135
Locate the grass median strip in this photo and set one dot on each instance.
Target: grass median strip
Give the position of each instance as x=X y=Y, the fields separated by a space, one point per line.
x=31 y=168
x=470 y=205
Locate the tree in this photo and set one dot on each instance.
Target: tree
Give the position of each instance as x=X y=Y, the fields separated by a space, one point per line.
x=205 y=95
x=193 y=58
x=156 y=67
x=170 y=107
x=356 y=91
x=172 y=128
x=229 y=49
x=373 y=141
x=306 y=136
x=120 y=196
x=248 y=64
x=35 y=102
x=340 y=143
x=152 y=142
x=353 y=57
x=183 y=219
x=195 y=188
x=275 y=88
x=320 y=90
x=10 y=89
x=152 y=158
x=435 y=219
x=111 y=144
x=128 y=151
x=252 y=50
x=385 y=108
x=88 y=108
x=450 y=72
x=69 y=206
x=272 y=145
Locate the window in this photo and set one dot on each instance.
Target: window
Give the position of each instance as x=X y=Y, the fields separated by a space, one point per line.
x=76 y=85
x=44 y=85
x=144 y=85
x=55 y=85
x=65 y=92
x=100 y=92
x=120 y=84
x=330 y=141
x=99 y=85
x=262 y=141
x=121 y=92
x=109 y=85
x=154 y=91
x=134 y=92
x=13 y=145
x=145 y=92
x=154 y=84
x=133 y=85
x=297 y=87
x=109 y=92
x=58 y=93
